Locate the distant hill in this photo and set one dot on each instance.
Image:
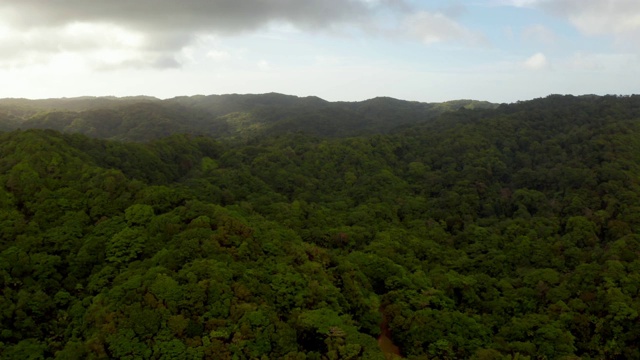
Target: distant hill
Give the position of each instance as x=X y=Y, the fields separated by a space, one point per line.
x=221 y=116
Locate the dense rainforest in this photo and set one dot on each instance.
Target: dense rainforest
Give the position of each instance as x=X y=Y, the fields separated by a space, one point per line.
x=458 y=231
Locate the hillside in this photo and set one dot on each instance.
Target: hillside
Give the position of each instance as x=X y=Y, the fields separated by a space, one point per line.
x=220 y=116
x=507 y=232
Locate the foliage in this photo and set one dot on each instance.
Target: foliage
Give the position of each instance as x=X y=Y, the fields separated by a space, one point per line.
x=221 y=116
x=505 y=233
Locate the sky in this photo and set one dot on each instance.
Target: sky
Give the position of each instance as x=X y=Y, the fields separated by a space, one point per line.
x=340 y=50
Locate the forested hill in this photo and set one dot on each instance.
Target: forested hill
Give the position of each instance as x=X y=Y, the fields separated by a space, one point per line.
x=220 y=116
x=508 y=233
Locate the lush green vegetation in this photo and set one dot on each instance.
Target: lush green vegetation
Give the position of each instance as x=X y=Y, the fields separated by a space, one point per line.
x=507 y=233
x=221 y=116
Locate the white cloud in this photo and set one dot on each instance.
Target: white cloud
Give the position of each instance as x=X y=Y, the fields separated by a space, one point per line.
x=537 y=61
x=516 y=3
x=218 y=55
x=433 y=28
x=601 y=17
x=96 y=33
x=154 y=33
x=602 y=63
x=591 y=17
x=97 y=46
x=264 y=65
x=167 y=34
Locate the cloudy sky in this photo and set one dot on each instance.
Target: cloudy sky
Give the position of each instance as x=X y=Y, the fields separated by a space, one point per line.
x=429 y=50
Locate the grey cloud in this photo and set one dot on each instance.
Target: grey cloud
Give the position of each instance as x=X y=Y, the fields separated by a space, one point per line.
x=224 y=16
x=168 y=40
x=153 y=61
x=168 y=26
x=454 y=10
x=433 y=28
x=166 y=62
x=604 y=7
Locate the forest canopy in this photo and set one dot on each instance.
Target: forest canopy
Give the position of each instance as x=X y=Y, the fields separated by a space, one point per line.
x=496 y=232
